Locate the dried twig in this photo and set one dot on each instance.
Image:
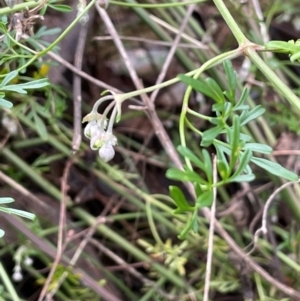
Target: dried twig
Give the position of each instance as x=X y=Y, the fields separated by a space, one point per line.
x=172 y=51
x=264 y=228
x=77 y=116
x=211 y=233
x=62 y=222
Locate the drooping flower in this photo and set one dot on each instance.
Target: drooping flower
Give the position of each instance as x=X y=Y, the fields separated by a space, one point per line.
x=100 y=138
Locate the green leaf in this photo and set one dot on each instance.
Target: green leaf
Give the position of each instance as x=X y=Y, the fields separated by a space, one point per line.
x=282 y=47
x=205 y=199
x=6 y=200
x=244 y=161
x=187 y=153
x=211 y=134
x=40 y=126
x=197 y=85
x=258 y=147
x=18 y=212
x=61 y=7
x=190 y=224
x=240 y=104
x=184 y=176
x=208 y=165
x=180 y=200
x=231 y=78
x=222 y=163
x=5 y=103
x=253 y=114
x=275 y=168
x=241 y=178
x=295 y=56
x=216 y=90
x=235 y=150
x=9 y=77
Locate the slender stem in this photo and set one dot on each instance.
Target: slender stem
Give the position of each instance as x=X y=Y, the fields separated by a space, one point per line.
x=6 y=281
x=240 y=37
x=279 y=85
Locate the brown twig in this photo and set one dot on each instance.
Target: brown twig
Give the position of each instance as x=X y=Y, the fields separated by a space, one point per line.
x=61 y=227
x=77 y=116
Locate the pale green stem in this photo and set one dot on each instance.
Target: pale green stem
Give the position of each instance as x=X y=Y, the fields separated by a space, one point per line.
x=234 y=28
x=7 y=283
x=279 y=85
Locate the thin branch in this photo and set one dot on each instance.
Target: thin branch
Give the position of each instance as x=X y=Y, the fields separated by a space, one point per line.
x=153 y=42
x=77 y=135
x=211 y=232
x=172 y=51
x=264 y=229
x=61 y=227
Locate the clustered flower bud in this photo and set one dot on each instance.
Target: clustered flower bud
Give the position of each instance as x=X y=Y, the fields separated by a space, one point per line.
x=20 y=256
x=100 y=139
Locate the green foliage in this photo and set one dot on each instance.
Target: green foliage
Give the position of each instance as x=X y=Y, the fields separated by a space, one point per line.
x=233 y=156
x=292 y=48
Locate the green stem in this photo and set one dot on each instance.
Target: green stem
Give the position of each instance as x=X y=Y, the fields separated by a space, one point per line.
x=158 y=5
x=278 y=84
x=240 y=37
x=6 y=281
x=19 y=7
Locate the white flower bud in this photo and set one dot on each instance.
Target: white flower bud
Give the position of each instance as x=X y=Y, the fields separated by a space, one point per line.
x=17 y=275
x=28 y=261
x=106 y=152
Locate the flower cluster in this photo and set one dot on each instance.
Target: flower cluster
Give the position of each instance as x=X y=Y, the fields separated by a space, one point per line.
x=100 y=139
x=20 y=256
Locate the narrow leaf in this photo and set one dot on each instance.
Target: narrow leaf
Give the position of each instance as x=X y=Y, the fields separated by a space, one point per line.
x=205 y=199
x=40 y=126
x=10 y=76
x=216 y=90
x=184 y=176
x=197 y=85
x=253 y=114
x=187 y=153
x=5 y=103
x=212 y=133
x=258 y=147
x=231 y=77
x=275 y=168
x=6 y=200
x=244 y=161
x=18 y=212
x=180 y=200
x=208 y=165
x=241 y=178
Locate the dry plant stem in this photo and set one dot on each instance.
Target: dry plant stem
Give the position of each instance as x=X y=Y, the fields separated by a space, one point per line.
x=129 y=268
x=76 y=256
x=77 y=71
x=77 y=136
x=61 y=227
x=175 y=30
x=169 y=148
x=264 y=229
x=172 y=51
x=153 y=42
x=211 y=233
x=262 y=24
